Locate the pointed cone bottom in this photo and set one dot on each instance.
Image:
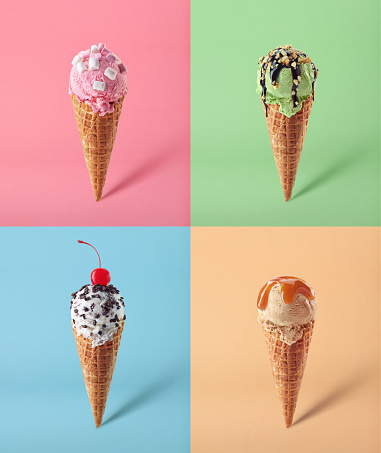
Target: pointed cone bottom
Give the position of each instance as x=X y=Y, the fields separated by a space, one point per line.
x=288 y=364
x=97 y=136
x=287 y=138
x=98 y=367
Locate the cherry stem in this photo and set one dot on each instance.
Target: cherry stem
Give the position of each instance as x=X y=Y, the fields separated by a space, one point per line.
x=81 y=242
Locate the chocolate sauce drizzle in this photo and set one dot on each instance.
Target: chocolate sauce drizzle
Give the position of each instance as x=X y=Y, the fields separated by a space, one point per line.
x=280 y=58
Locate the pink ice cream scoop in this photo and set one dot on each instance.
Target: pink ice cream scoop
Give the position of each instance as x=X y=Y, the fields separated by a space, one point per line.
x=98 y=78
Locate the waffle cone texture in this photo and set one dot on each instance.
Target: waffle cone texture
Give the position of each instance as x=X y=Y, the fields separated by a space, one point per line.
x=287 y=138
x=97 y=137
x=98 y=367
x=288 y=364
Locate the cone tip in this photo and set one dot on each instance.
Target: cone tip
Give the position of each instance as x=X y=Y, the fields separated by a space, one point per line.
x=288 y=421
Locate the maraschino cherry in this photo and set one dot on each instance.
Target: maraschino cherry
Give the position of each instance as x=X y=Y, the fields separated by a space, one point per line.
x=99 y=276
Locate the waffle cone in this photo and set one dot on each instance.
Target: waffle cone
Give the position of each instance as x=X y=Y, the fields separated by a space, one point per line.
x=288 y=364
x=97 y=136
x=287 y=138
x=98 y=367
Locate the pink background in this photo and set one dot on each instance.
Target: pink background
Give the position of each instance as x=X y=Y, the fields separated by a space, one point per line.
x=43 y=175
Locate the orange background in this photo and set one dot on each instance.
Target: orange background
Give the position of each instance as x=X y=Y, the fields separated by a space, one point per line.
x=234 y=407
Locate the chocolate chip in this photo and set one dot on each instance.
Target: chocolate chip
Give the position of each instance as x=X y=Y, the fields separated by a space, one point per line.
x=85 y=309
x=116 y=324
x=97 y=315
x=85 y=327
x=100 y=332
x=124 y=317
x=76 y=310
x=94 y=323
x=92 y=306
x=73 y=321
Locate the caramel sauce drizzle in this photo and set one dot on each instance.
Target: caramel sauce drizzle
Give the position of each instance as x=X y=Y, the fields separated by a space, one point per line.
x=289 y=288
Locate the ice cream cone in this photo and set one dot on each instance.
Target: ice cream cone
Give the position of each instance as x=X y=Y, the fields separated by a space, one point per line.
x=98 y=365
x=288 y=364
x=97 y=136
x=287 y=138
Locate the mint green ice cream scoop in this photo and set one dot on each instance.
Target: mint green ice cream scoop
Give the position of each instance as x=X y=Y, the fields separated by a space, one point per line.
x=286 y=77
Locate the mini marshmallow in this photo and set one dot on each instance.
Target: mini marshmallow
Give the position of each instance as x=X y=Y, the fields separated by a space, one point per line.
x=122 y=69
x=94 y=49
x=98 y=85
x=118 y=60
x=76 y=60
x=105 y=51
x=96 y=55
x=110 y=58
x=93 y=64
x=81 y=67
x=86 y=53
x=101 y=46
x=110 y=73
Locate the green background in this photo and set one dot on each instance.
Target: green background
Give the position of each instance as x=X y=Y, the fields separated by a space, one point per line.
x=234 y=180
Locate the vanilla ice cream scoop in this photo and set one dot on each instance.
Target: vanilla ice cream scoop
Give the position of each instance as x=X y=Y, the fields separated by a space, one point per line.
x=286 y=305
x=96 y=312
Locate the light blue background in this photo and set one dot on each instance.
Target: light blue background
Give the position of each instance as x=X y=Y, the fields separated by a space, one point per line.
x=44 y=404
